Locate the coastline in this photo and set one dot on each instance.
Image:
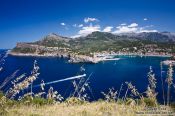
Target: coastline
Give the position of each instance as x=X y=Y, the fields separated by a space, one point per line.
x=67 y=55
x=87 y=59
x=150 y=55
x=33 y=55
x=72 y=58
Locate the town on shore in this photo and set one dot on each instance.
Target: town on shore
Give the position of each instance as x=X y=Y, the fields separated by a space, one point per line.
x=94 y=57
x=99 y=46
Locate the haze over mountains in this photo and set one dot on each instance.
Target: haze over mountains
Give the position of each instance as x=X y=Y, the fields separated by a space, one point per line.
x=152 y=36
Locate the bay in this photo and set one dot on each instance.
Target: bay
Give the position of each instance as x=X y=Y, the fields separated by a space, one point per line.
x=104 y=74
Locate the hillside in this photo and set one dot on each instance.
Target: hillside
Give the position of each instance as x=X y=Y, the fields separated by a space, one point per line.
x=153 y=43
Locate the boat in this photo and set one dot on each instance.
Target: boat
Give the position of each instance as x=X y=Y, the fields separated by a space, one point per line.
x=168 y=62
x=105 y=58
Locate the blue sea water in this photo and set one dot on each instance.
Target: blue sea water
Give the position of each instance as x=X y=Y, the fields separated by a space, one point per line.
x=105 y=74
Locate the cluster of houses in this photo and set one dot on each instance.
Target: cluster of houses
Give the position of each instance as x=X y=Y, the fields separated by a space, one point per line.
x=148 y=50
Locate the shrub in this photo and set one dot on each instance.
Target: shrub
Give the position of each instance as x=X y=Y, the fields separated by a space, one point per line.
x=172 y=105
x=1 y=94
x=150 y=102
x=74 y=101
x=129 y=101
x=38 y=101
x=3 y=101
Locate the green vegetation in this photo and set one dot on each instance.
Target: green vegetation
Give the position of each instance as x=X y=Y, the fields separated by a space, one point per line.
x=99 y=42
x=24 y=50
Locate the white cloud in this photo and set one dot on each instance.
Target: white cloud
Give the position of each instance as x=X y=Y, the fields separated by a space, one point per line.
x=123 y=24
x=147 y=31
x=87 y=30
x=63 y=24
x=143 y=29
x=80 y=25
x=122 y=28
x=88 y=19
x=125 y=29
x=108 y=29
x=148 y=26
x=74 y=25
x=133 y=25
x=132 y=28
x=145 y=19
x=75 y=36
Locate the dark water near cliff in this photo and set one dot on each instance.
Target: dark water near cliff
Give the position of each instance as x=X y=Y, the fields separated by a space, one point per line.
x=105 y=74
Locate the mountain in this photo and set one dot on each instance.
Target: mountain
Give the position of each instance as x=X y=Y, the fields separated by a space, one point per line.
x=152 y=36
x=148 y=36
x=53 y=40
x=98 y=42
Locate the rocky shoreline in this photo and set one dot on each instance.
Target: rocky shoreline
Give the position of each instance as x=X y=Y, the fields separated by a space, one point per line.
x=38 y=55
x=72 y=58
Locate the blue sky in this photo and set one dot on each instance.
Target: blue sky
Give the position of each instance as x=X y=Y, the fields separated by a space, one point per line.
x=30 y=20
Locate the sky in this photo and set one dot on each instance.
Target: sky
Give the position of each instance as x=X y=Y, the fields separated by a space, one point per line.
x=31 y=20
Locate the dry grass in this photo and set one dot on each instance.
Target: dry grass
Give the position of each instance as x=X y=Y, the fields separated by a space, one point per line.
x=101 y=108
x=87 y=109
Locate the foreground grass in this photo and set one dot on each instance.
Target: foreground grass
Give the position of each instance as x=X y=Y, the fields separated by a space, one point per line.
x=86 y=109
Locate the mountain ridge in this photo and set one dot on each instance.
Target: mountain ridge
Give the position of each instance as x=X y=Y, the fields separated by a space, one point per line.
x=160 y=43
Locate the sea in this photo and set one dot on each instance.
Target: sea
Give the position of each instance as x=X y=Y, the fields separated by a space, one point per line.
x=101 y=76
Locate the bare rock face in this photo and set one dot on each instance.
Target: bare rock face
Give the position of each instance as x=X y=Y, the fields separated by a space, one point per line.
x=53 y=37
x=26 y=45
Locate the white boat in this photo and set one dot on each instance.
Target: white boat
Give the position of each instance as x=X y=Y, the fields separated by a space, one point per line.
x=106 y=58
x=111 y=59
x=168 y=62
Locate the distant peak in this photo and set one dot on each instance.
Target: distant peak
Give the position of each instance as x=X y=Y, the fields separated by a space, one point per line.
x=53 y=34
x=165 y=32
x=99 y=32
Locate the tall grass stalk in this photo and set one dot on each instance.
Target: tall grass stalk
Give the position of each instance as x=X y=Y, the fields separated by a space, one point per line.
x=126 y=93
x=133 y=89
x=169 y=81
x=162 y=82
x=119 y=91
x=17 y=87
x=111 y=95
x=2 y=61
x=7 y=79
x=1 y=68
x=151 y=93
x=54 y=95
x=81 y=87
